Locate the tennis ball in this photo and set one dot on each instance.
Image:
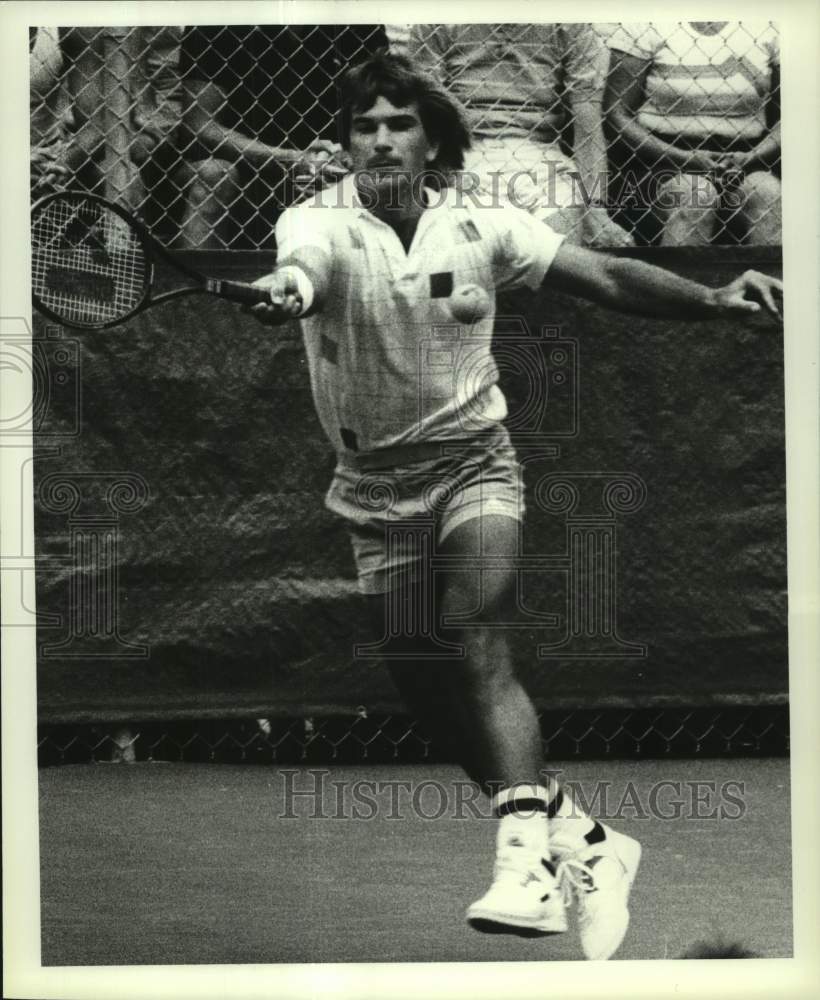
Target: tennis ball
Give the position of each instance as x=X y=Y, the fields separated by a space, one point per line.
x=469 y=303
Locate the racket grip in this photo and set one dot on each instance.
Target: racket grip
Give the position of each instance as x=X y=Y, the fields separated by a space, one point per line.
x=236 y=291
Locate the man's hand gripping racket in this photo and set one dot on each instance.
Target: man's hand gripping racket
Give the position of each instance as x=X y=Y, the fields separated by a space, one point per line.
x=92 y=265
x=284 y=301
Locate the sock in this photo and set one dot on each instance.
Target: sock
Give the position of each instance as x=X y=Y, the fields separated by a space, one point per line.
x=523 y=809
x=522 y=813
x=568 y=823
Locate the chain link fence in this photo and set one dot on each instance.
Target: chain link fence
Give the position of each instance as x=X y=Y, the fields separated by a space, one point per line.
x=600 y=733
x=612 y=133
x=657 y=134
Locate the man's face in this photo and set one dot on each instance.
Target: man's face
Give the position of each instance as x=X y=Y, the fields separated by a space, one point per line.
x=386 y=141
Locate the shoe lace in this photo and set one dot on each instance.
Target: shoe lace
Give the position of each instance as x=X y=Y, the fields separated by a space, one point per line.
x=573 y=878
x=516 y=870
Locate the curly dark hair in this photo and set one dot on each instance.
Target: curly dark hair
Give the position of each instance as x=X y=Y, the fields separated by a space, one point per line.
x=395 y=78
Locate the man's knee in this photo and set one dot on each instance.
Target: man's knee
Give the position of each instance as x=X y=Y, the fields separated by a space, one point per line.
x=761 y=189
x=212 y=177
x=477 y=605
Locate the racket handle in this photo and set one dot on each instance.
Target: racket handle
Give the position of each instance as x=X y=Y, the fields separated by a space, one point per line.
x=236 y=291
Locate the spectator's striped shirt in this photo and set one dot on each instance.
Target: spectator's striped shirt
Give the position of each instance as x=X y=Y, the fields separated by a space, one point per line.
x=702 y=85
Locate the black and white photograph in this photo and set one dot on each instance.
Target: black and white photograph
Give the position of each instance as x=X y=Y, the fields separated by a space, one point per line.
x=401 y=569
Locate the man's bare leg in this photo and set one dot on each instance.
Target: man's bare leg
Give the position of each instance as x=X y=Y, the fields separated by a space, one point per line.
x=211 y=193
x=476 y=708
x=760 y=214
x=475 y=704
x=686 y=208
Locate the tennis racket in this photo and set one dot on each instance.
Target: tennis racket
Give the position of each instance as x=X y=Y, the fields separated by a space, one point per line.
x=92 y=264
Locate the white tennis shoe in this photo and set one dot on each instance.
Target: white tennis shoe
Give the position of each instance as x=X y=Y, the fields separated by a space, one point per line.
x=598 y=878
x=524 y=899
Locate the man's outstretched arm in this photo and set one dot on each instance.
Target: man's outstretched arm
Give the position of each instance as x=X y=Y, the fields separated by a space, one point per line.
x=297 y=287
x=632 y=286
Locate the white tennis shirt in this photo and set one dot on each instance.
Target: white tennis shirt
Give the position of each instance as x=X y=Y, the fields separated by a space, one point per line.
x=389 y=366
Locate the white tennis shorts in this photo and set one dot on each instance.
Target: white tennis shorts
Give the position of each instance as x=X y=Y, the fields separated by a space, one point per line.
x=534 y=176
x=399 y=504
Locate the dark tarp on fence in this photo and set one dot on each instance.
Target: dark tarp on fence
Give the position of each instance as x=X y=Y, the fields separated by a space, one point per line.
x=187 y=566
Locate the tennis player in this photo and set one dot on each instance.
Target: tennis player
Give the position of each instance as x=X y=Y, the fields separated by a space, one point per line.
x=368 y=267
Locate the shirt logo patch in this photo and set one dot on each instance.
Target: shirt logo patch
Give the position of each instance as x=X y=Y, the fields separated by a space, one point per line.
x=441 y=285
x=349 y=439
x=469 y=231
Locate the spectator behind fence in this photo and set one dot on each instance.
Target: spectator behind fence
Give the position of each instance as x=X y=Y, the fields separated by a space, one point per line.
x=257 y=108
x=158 y=98
x=693 y=110
x=525 y=87
x=89 y=88
x=62 y=95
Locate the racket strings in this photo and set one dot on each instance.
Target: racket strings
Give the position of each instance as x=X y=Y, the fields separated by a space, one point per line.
x=88 y=264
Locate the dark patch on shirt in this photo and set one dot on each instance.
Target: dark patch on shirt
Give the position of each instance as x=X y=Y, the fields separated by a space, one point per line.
x=441 y=285
x=349 y=439
x=469 y=231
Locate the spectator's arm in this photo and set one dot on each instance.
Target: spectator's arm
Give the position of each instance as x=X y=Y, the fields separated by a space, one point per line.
x=200 y=123
x=587 y=61
x=201 y=104
x=767 y=151
x=589 y=148
x=623 y=99
x=590 y=158
x=228 y=144
x=766 y=155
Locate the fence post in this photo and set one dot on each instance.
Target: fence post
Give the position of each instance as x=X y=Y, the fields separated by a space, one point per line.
x=122 y=181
